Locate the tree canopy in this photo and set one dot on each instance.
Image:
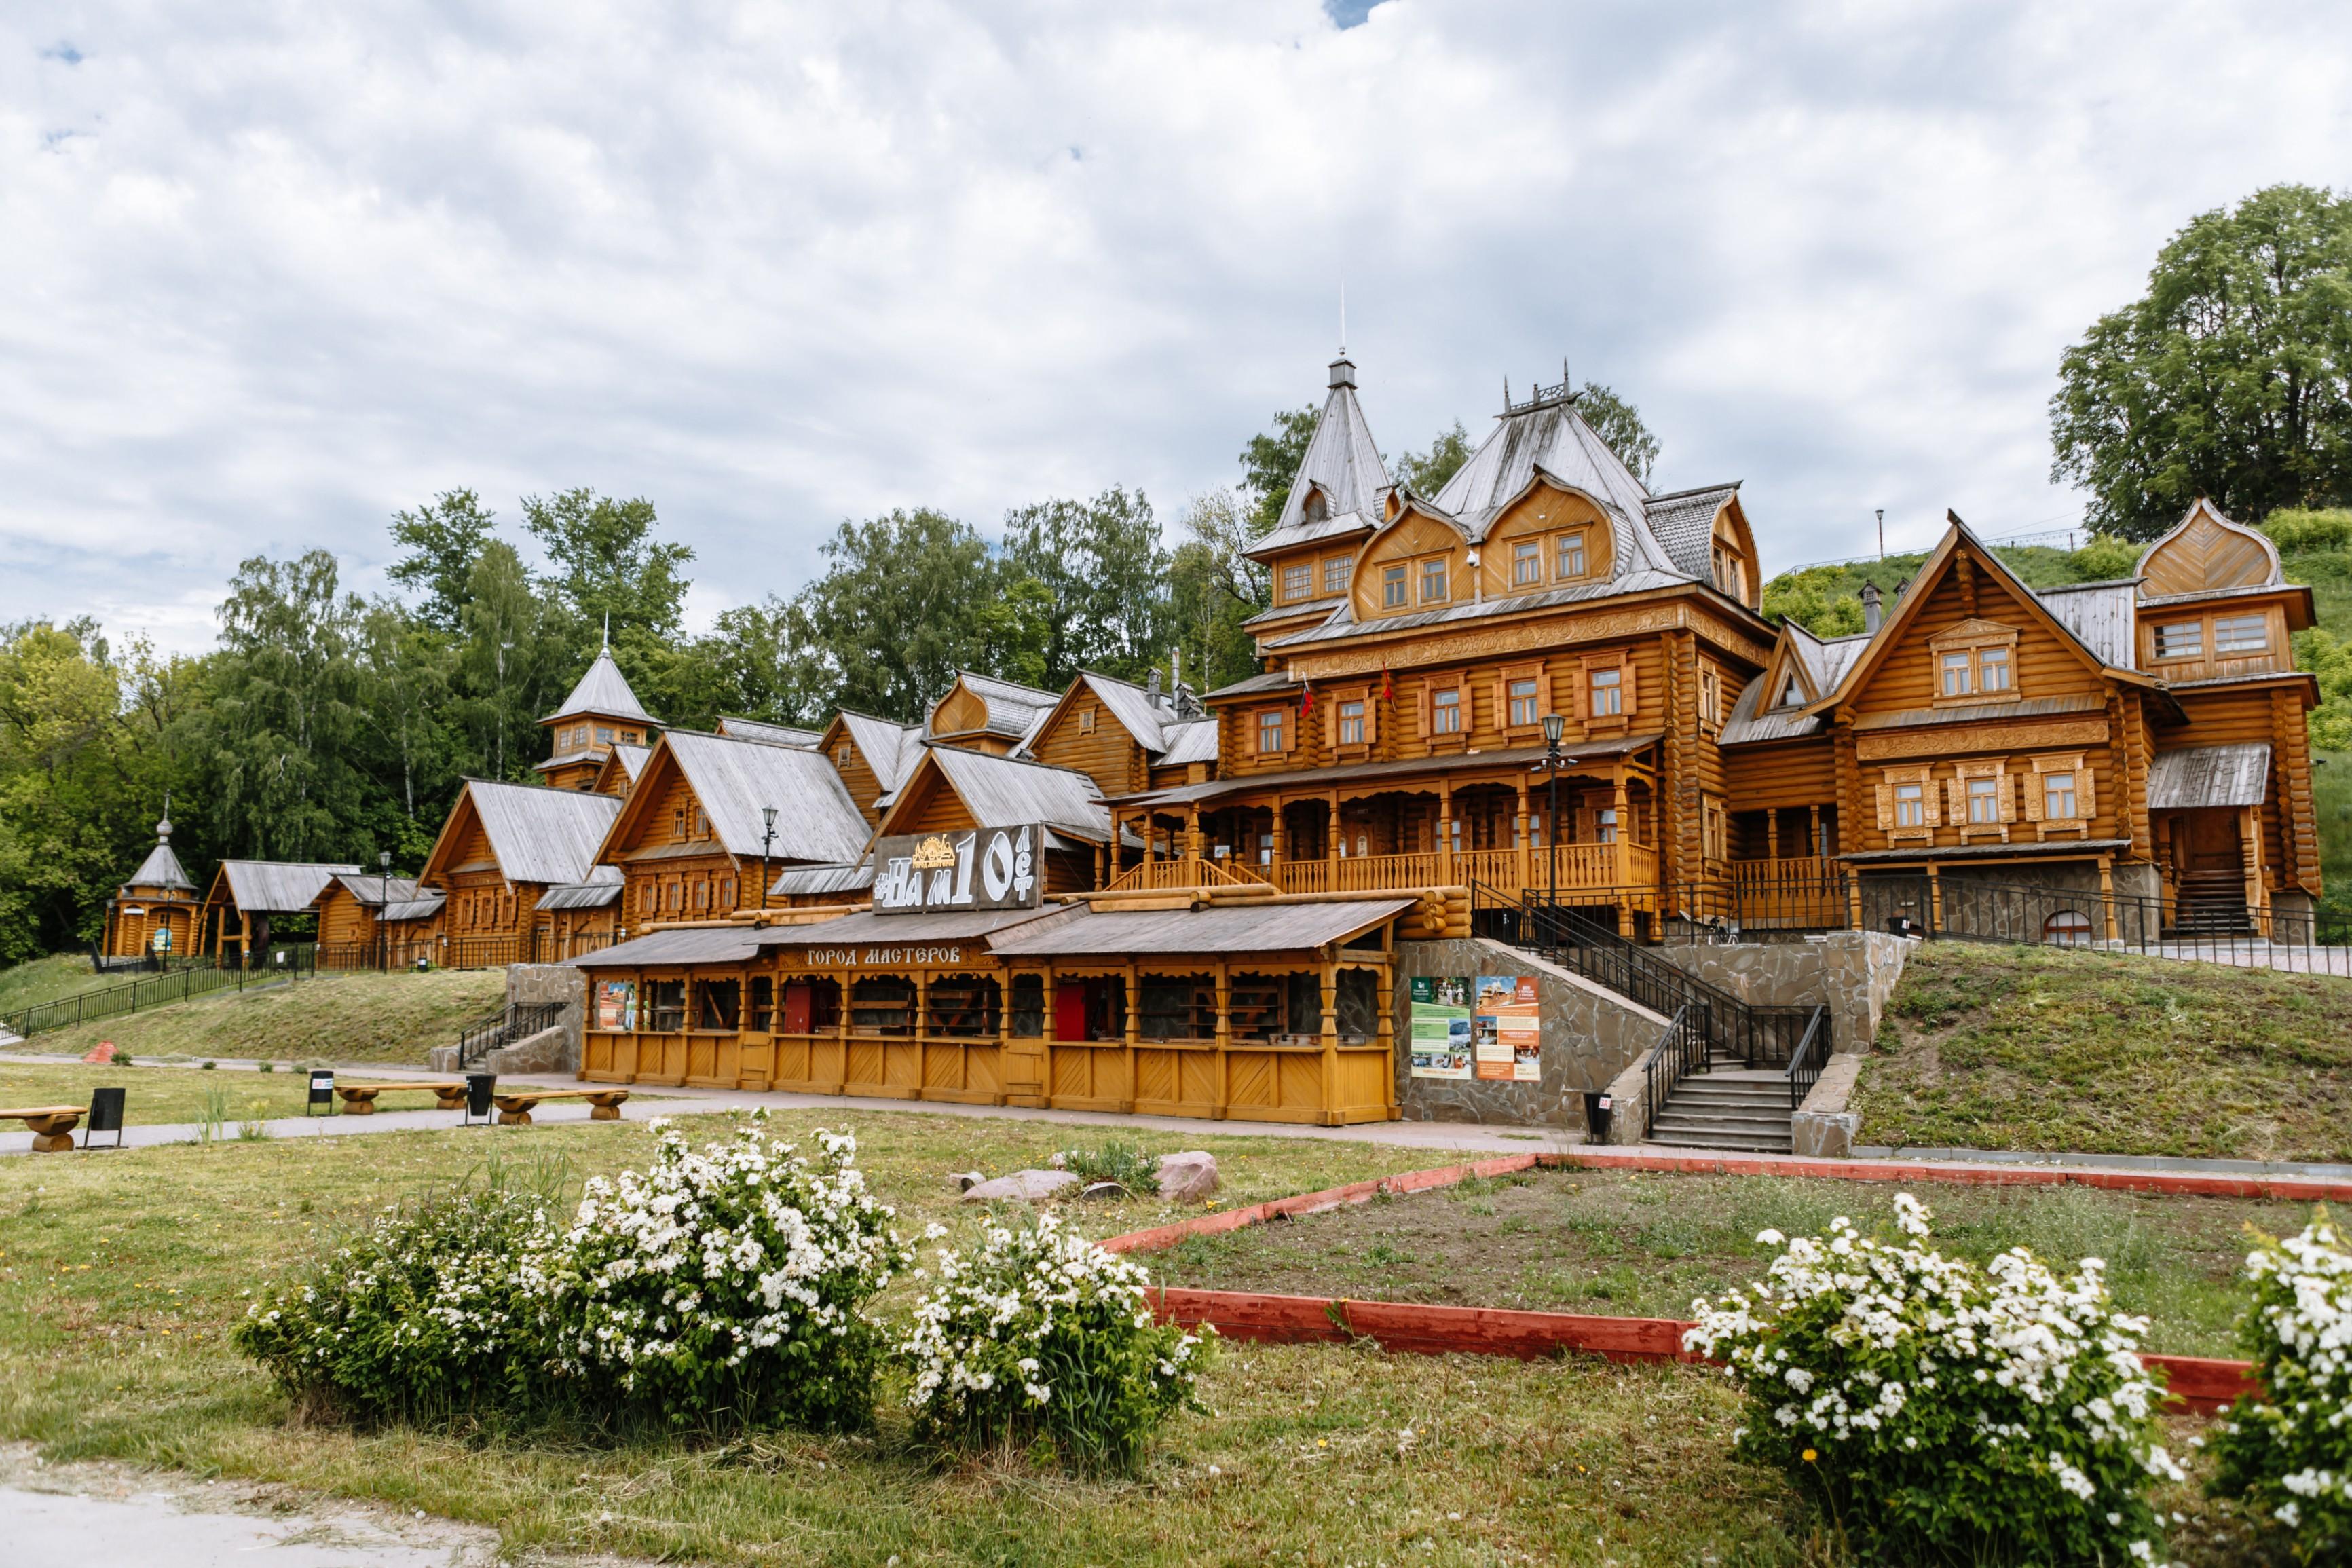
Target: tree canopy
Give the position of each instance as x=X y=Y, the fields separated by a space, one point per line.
x=2229 y=377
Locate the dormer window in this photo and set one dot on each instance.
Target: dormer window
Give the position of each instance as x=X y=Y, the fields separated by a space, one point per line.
x=1297 y=582
x=1792 y=693
x=1568 y=556
x=1334 y=574
x=1432 y=580
x=1526 y=563
x=1317 y=507
x=1392 y=588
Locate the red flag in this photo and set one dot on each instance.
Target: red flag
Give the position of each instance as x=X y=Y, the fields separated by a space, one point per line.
x=1307 y=700
x=1387 y=687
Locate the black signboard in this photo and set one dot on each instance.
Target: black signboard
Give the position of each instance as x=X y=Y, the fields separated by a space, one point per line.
x=970 y=868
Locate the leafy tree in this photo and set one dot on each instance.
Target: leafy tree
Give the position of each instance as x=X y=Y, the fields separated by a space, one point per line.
x=514 y=663
x=755 y=664
x=606 y=562
x=441 y=540
x=405 y=669
x=1270 y=461
x=1426 y=472
x=893 y=618
x=1103 y=577
x=1619 y=423
x=2229 y=377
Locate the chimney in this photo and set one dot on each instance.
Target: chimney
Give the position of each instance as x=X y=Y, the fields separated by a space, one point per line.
x=1152 y=691
x=1869 y=610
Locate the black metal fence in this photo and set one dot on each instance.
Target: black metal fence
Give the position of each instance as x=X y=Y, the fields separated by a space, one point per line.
x=1682 y=1051
x=181 y=981
x=463 y=952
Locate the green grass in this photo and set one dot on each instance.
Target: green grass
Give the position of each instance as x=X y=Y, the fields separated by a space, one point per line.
x=2035 y=1048
x=120 y=1276
x=334 y=1017
x=159 y=1096
x=39 y=980
x=1632 y=1245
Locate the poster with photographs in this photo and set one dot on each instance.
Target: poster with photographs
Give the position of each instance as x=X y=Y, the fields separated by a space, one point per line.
x=1507 y=1028
x=616 y=1005
x=1441 y=1026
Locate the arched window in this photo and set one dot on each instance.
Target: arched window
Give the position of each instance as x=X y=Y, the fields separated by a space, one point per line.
x=2067 y=928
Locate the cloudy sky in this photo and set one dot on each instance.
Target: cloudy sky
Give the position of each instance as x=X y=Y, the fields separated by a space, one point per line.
x=270 y=270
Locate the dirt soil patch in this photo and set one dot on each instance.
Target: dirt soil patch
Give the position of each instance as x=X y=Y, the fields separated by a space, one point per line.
x=1636 y=1245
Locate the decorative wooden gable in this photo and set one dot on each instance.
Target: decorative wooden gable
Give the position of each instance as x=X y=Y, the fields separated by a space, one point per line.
x=462 y=846
x=1550 y=535
x=2206 y=554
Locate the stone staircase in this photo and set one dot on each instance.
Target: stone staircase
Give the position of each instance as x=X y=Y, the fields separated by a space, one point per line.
x=1726 y=1107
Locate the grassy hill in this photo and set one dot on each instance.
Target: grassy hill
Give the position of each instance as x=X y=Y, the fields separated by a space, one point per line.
x=2040 y=1048
x=2314 y=548
x=391 y=1017
x=48 y=979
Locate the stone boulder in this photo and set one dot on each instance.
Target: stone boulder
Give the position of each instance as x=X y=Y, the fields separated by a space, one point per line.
x=1026 y=1187
x=1188 y=1177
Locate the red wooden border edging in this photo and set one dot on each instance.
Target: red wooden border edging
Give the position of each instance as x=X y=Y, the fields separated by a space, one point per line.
x=2202 y=1383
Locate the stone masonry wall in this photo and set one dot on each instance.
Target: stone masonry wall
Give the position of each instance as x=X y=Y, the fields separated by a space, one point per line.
x=1850 y=972
x=1590 y=1035
x=532 y=985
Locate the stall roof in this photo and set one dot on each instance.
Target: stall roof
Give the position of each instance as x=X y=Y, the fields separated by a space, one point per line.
x=936 y=925
x=695 y=944
x=2209 y=776
x=1244 y=784
x=1218 y=931
x=602 y=887
x=803 y=881
x=425 y=906
x=371 y=889
x=277 y=886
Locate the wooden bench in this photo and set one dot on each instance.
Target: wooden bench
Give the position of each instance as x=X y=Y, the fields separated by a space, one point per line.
x=52 y=1125
x=604 y=1104
x=359 y=1099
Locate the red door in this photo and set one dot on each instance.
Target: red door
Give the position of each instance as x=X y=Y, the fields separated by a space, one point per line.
x=797 y=1007
x=1070 y=1010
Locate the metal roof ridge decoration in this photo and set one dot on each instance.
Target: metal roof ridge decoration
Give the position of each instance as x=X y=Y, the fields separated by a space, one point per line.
x=735 y=781
x=602 y=691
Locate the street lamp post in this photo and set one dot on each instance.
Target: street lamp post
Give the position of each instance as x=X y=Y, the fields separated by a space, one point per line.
x=767 y=843
x=1553 y=725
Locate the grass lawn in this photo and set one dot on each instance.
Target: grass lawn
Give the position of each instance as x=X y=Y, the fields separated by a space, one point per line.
x=120 y=1275
x=334 y=1017
x=161 y=1095
x=2036 y=1048
x=42 y=980
x=1632 y=1244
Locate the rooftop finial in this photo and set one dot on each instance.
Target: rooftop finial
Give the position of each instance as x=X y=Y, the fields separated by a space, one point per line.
x=1343 y=318
x=163 y=827
x=608 y=631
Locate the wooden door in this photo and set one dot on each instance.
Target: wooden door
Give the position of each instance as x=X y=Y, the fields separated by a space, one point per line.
x=1070 y=1010
x=796 y=1008
x=2208 y=841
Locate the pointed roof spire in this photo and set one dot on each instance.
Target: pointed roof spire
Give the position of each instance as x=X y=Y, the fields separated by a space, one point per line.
x=162 y=868
x=602 y=691
x=1342 y=460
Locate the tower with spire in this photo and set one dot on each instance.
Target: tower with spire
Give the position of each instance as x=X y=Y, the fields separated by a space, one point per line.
x=600 y=713
x=155 y=913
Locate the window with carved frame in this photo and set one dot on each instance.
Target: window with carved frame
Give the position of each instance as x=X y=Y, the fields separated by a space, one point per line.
x=1272 y=731
x=1710 y=697
x=1351 y=718
x=1983 y=801
x=1975 y=661
x=1909 y=806
x=1569 y=557
x=1392 y=587
x=1608 y=690
x=2060 y=795
x=1526 y=563
x=1714 y=829
x=1519 y=696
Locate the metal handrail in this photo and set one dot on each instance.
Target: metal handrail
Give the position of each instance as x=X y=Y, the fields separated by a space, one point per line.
x=1805 y=1063
x=492 y=1030
x=1682 y=1051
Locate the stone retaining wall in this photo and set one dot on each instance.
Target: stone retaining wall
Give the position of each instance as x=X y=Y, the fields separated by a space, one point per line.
x=1850 y=972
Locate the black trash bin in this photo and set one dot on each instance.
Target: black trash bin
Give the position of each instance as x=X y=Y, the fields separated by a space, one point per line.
x=322 y=1092
x=479 y=1088
x=105 y=1115
x=1597 y=1112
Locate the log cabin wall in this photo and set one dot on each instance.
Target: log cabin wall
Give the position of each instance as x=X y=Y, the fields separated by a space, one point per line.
x=1083 y=734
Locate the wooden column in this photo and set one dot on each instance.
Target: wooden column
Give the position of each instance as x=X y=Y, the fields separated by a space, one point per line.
x=1225 y=1033
x=1773 y=834
x=1935 y=898
x=1331 y=845
x=2106 y=896
x=1520 y=825
x=1384 y=1024
x=1134 y=1037
x=1813 y=833
x=1274 y=848
x=1623 y=870
x=2249 y=835
x=1193 y=832
x=1329 y=1116
x=1445 y=832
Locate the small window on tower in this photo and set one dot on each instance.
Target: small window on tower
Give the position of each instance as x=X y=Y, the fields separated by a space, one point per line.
x=1392 y=588
x=1085 y=721
x=1334 y=574
x=2180 y=639
x=1298 y=581
x=1568 y=557
x=604 y=735
x=2240 y=634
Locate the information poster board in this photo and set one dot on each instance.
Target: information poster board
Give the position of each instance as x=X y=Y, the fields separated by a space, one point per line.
x=616 y=1005
x=1441 y=1026
x=1507 y=1027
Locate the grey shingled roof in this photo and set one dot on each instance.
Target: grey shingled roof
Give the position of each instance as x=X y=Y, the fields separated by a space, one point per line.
x=632 y=759
x=423 y=907
x=1195 y=742
x=1552 y=438
x=890 y=749
x=1342 y=459
x=1006 y=792
x=808 y=881
x=1683 y=524
x=662 y=949
x=371 y=889
x=162 y=868
x=1745 y=723
x=277 y=887
x=1339 y=525
x=1219 y=928
x=1249 y=685
x=602 y=691
x=541 y=834
x=602 y=887
x=2209 y=776
x=734 y=781
x=1014 y=708
x=774 y=734
x=1132 y=706
x=1300 y=607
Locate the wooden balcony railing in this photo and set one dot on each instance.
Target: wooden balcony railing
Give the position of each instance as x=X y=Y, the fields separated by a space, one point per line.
x=1578 y=867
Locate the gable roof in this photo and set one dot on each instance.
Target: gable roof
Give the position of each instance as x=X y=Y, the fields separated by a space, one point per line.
x=602 y=691
x=774 y=734
x=1009 y=792
x=424 y=906
x=735 y=781
x=1194 y=741
x=371 y=889
x=890 y=749
x=1013 y=709
x=277 y=886
x=536 y=834
x=1339 y=525
x=1551 y=438
x=1684 y=525
x=630 y=760
x=1342 y=459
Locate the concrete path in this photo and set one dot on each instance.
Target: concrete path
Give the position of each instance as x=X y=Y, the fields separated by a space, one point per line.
x=114 y=1513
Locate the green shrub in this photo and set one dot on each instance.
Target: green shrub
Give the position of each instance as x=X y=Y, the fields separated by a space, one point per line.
x=426 y=1315
x=1115 y=1161
x=1044 y=1335
x=1938 y=1415
x=2304 y=530
x=2289 y=1453
x=726 y=1288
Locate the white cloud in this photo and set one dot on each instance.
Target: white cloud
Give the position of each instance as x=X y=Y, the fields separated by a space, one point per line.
x=273 y=272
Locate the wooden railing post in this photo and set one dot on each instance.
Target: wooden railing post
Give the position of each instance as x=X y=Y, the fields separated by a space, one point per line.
x=1622 y=869
x=1330 y=1113
x=1225 y=1036
x=1520 y=827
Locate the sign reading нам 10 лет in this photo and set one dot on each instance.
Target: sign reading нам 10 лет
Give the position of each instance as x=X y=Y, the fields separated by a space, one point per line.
x=971 y=869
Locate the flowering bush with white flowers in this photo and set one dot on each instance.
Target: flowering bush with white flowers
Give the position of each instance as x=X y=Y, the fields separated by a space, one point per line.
x=2289 y=1453
x=426 y=1314
x=1045 y=1334
x=727 y=1287
x=1941 y=1413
